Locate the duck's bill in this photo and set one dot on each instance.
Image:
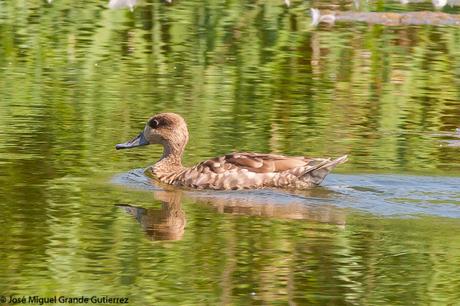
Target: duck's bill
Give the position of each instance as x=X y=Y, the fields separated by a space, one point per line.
x=140 y=140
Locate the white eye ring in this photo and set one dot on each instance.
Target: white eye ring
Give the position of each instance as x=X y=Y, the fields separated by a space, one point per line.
x=154 y=123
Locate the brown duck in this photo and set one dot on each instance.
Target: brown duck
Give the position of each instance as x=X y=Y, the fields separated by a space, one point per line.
x=232 y=171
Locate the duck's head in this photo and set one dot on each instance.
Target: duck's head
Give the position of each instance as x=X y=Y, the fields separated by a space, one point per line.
x=167 y=129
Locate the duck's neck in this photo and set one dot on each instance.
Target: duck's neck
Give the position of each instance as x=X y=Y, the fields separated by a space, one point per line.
x=170 y=161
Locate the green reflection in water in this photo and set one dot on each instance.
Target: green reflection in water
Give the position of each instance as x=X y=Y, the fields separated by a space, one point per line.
x=77 y=78
x=83 y=244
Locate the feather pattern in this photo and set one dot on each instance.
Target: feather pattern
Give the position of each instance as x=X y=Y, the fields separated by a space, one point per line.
x=251 y=170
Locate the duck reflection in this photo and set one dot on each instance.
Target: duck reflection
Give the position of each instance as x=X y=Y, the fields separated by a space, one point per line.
x=267 y=204
x=168 y=222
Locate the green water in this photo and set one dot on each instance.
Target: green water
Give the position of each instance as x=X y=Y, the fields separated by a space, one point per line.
x=76 y=78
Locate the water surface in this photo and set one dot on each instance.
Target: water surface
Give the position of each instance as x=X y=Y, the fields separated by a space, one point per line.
x=76 y=78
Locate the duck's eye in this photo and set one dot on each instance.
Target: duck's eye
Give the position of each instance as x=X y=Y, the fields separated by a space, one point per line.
x=154 y=123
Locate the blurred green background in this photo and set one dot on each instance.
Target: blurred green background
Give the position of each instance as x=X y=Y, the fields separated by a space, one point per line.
x=76 y=78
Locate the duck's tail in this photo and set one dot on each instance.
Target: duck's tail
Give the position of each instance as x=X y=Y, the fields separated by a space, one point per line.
x=317 y=175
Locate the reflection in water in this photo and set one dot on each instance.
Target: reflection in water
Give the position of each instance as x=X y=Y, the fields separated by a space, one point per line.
x=168 y=222
x=383 y=195
x=272 y=206
x=387 y=19
x=438 y=4
x=75 y=76
x=449 y=139
x=347 y=80
x=119 y=4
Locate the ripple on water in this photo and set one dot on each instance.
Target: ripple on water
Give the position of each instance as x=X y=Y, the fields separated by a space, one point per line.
x=382 y=195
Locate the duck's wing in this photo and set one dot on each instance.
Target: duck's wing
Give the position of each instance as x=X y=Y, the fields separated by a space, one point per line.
x=260 y=163
x=253 y=170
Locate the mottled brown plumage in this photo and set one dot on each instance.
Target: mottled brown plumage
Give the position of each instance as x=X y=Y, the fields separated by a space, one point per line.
x=232 y=171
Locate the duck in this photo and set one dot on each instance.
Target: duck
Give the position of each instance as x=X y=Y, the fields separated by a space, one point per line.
x=239 y=170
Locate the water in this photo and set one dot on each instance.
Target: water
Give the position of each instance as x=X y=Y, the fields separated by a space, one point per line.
x=78 y=219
